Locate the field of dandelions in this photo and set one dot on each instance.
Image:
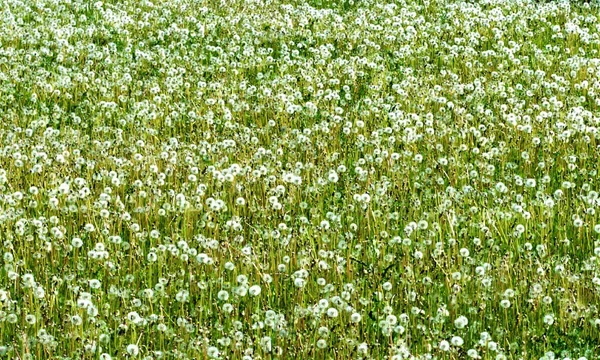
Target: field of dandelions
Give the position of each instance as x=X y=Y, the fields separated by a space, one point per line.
x=291 y=179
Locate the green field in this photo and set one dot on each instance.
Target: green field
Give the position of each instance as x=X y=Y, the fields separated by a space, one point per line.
x=289 y=179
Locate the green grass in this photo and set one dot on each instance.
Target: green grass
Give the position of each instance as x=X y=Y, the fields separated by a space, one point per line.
x=281 y=180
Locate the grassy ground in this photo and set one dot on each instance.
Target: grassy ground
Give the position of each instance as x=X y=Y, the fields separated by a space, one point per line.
x=279 y=180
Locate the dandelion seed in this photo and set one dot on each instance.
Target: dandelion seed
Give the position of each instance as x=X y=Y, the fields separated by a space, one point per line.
x=76 y=320
x=472 y=353
x=444 y=345
x=355 y=318
x=461 y=322
x=133 y=350
x=457 y=341
x=95 y=284
x=254 y=290
x=332 y=312
x=223 y=295
x=30 y=319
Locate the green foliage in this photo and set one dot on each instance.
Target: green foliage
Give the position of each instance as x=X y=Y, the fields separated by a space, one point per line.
x=257 y=179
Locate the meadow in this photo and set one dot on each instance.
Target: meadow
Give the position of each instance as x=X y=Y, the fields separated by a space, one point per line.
x=288 y=179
